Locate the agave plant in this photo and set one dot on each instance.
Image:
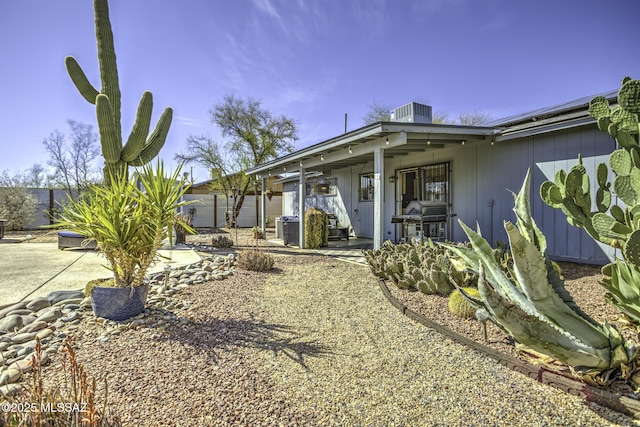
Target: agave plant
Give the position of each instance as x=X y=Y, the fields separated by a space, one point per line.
x=535 y=308
x=129 y=223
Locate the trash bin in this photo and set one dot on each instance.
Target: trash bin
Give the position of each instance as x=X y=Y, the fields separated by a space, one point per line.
x=291 y=232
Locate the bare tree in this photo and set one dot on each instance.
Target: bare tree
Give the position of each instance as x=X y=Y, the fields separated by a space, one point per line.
x=83 y=151
x=204 y=151
x=474 y=118
x=377 y=112
x=441 y=118
x=35 y=176
x=257 y=136
x=73 y=162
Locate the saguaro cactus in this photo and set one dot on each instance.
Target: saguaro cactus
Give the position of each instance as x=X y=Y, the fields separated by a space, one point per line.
x=139 y=149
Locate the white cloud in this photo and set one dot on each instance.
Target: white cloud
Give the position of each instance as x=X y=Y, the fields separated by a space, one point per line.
x=188 y=121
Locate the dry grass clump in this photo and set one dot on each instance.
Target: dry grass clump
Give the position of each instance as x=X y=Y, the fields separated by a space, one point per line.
x=255 y=260
x=221 y=241
x=73 y=403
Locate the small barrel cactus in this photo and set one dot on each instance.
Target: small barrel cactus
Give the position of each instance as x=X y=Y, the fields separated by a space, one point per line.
x=459 y=306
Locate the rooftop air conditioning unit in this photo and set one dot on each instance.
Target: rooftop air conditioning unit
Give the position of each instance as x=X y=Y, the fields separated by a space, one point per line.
x=412 y=113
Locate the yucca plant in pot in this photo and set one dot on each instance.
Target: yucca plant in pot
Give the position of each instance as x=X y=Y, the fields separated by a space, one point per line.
x=128 y=217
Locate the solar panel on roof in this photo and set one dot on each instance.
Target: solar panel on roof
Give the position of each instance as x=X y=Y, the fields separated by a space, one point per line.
x=550 y=111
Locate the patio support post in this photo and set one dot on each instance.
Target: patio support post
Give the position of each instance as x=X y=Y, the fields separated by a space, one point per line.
x=301 y=206
x=378 y=197
x=263 y=205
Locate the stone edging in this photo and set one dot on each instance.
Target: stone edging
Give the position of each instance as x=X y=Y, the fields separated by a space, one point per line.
x=616 y=402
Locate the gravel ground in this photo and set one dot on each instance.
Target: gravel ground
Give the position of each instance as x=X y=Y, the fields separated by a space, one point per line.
x=313 y=342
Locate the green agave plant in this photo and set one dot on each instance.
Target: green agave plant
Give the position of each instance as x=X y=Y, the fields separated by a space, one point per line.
x=535 y=308
x=129 y=222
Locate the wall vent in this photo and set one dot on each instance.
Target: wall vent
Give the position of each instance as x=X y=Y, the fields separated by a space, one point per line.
x=412 y=113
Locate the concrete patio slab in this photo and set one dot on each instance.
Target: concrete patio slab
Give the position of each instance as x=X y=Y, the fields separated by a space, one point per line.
x=29 y=270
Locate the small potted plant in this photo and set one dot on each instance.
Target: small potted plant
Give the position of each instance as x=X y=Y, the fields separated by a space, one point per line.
x=129 y=223
x=256 y=232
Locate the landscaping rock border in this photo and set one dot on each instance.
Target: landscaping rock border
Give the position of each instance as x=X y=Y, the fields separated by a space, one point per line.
x=50 y=319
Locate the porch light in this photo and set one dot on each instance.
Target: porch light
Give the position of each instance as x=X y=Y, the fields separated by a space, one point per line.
x=300 y=163
x=463 y=142
x=322 y=157
x=392 y=179
x=428 y=139
x=387 y=141
x=269 y=172
x=285 y=168
x=350 y=150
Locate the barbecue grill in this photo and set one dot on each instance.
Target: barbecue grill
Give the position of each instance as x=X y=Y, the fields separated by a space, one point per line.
x=424 y=219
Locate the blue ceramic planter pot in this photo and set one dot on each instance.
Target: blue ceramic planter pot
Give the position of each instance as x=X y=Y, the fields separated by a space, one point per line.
x=118 y=303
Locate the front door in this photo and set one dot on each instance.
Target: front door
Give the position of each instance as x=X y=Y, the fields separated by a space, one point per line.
x=430 y=186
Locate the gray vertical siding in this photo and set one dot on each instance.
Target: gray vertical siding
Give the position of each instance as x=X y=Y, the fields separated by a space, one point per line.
x=482 y=175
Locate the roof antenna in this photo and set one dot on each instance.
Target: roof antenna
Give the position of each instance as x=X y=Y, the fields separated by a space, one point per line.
x=345 y=122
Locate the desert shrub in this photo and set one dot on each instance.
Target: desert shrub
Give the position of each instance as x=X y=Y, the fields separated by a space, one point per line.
x=72 y=403
x=221 y=241
x=255 y=260
x=316 y=228
x=459 y=306
x=18 y=207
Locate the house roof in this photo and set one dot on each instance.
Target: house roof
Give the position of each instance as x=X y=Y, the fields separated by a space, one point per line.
x=399 y=138
x=357 y=146
x=555 y=110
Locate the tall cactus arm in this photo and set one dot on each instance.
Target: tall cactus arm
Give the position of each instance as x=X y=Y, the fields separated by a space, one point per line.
x=79 y=78
x=156 y=140
x=110 y=138
x=107 y=59
x=138 y=137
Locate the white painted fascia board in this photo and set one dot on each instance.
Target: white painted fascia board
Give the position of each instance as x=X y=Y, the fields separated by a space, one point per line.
x=338 y=148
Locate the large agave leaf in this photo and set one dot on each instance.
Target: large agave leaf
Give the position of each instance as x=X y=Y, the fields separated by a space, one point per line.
x=531 y=272
x=530 y=231
x=494 y=274
x=540 y=335
x=525 y=222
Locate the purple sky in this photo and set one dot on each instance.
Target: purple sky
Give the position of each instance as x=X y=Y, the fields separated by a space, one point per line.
x=311 y=60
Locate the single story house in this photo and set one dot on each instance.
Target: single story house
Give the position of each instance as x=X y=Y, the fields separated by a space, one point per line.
x=408 y=176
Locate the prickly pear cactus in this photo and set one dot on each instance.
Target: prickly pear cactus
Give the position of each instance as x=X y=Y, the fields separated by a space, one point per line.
x=422 y=266
x=140 y=147
x=571 y=192
x=616 y=226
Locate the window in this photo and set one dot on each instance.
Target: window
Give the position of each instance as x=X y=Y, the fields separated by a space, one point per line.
x=366 y=187
x=435 y=179
x=321 y=187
